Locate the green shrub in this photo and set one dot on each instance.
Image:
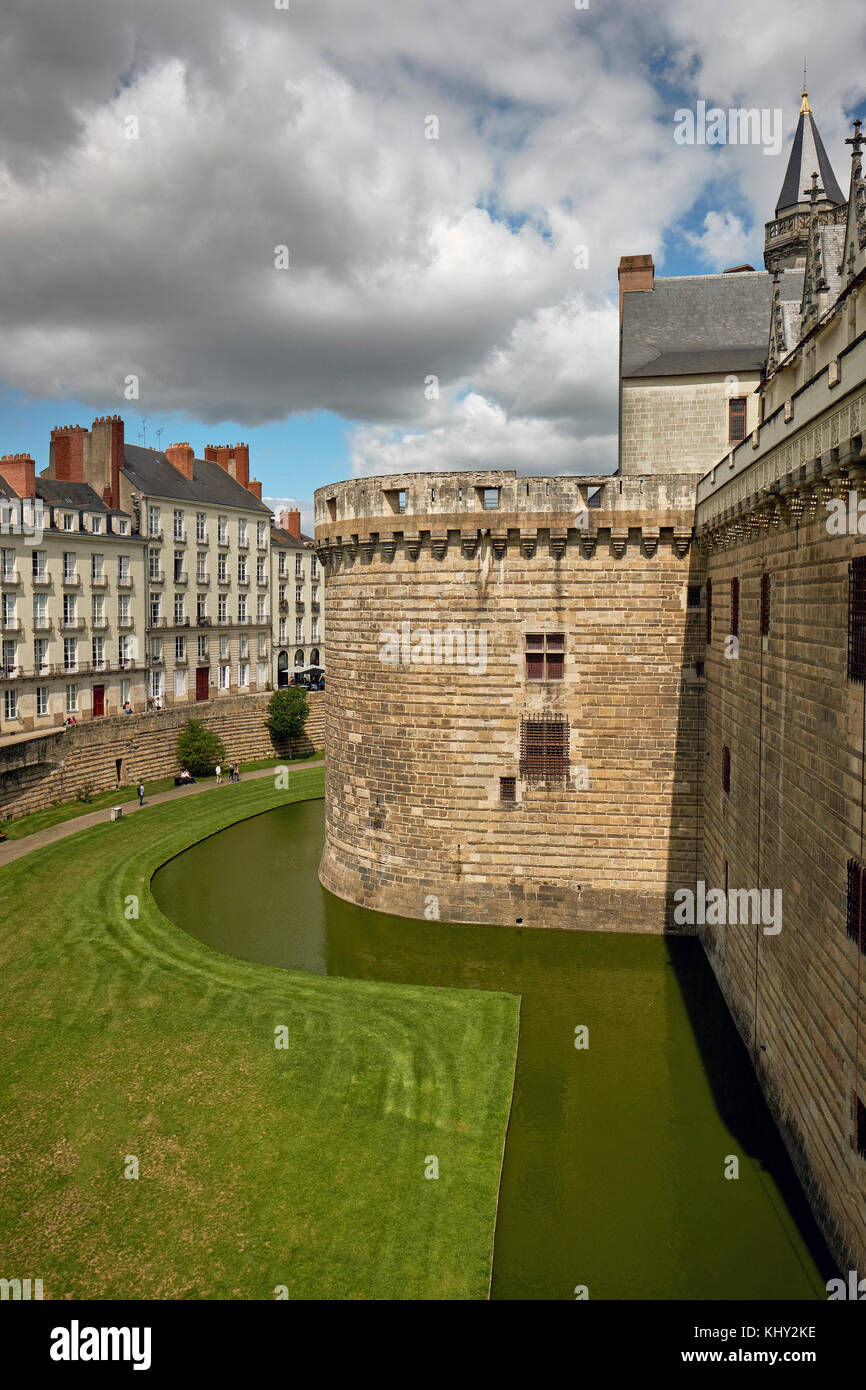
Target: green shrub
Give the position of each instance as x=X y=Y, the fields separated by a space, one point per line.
x=85 y=793
x=199 y=749
x=288 y=711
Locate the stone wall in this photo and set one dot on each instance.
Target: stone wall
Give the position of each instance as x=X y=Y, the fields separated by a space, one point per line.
x=794 y=725
x=37 y=772
x=416 y=749
x=679 y=424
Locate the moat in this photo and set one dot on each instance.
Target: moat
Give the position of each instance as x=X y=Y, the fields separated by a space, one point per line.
x=616 y=1153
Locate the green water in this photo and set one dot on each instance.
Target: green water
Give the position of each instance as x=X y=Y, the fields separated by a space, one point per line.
x=614 y=1165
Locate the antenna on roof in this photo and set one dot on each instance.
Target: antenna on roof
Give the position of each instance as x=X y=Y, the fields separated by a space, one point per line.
x=143 y=435
x=158 y=433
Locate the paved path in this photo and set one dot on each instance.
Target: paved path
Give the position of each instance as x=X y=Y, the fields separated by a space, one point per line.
x=16 y=849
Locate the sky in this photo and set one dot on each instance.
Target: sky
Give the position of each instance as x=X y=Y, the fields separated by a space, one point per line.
x=371 y=238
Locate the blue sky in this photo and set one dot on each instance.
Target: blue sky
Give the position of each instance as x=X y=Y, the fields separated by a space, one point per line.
x=148 y=179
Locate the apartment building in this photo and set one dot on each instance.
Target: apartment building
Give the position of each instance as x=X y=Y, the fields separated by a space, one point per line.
x=71 y=602
x=298 y=590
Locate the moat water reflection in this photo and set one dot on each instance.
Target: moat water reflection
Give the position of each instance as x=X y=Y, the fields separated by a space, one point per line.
x=615 y=1160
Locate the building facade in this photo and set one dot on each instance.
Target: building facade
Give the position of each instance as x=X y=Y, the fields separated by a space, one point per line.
x=298 y=589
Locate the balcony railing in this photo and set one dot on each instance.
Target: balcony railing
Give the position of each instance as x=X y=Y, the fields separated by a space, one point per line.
x=202 y=579
x=243 y=544
x=284 y=605
x=202 y=620
x=223 y=578
x=299 y=605
x=124 y=581
x=99 y=624
x=180 y=660
x=71 y=580
x=72 y=624
x=41 y=580
x=155 y=533
x=43 y=623
x=203 y=541
x=315 y=607
x=99 y=581
x=10 y=578
x=179 y=621
x=181 y=577
x=244 y=579
x=156 y=576
x=10 y=624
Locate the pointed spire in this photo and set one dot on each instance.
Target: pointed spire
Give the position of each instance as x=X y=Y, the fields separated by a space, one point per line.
x=807 y=154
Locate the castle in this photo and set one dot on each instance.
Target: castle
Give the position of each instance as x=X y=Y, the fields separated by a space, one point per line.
x=671 y=704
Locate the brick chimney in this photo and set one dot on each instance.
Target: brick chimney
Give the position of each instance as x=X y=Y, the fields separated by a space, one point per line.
x=255 y=487
x=219 y=454
x=291 y=521
x=242 y=464
x=106 y=458
x=635 y=273
x=66 y=454
x=182 y=456
x=19 y=471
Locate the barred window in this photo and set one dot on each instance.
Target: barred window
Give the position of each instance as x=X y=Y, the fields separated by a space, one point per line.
x=545 y=656
x=860 y=1126
x=857 y=620
x=694 y=596
x=544 y=748
x=737 y=419
x=709 y=611
x=765 y=605
x=726 y=769
x=856 y=904
x=735 y=607
x=508 y=789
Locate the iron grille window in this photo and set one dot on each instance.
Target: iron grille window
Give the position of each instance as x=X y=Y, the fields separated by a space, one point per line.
x=735 y=607
x=726 y=769
x=860 y=1126
x=508 y=789
x=856 y=904
x=737 y=420
x=709 y=611
x=694 y=596
x=765 y=605
x=545 y=656
x=857 y=620
x=544 y=748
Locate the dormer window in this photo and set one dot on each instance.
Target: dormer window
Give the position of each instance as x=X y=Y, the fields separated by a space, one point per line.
x=68 y=521
x=96 y=525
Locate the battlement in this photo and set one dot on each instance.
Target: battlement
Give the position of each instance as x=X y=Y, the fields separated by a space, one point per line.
x=440 y=509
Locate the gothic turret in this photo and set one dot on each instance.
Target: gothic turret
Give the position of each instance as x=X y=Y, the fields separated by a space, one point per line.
x=787 y=235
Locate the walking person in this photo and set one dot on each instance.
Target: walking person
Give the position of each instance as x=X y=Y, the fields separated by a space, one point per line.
x=140 y=790
x=219 y=775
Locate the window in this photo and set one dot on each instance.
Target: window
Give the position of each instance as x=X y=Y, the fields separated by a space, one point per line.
x=96 y=525
x=261 y=535
x=544 y=748
x=299 y=631
x=40 y=609
x=694 y=596
x=224 y=671
x=856 y=904
x=263 y=648
x=40 y=653
x=179 y=615
x=243 y=675
x=153 y=527
x=178 y=566
x=735 y=607
x=242 y=608
x=98 y=602
x=709 y=611
x=242 y=531
x=178 y=526
x=545 y=656
x=260 y=570
x=224 y=648
x=222 y=575
x=156 y=648
x=200 y=526
x=857 y=620
x=9 y=657
x=37 y=562
x=10 y=704
x=123 y=568
x=123 y=608
x=282 y=632
x=860 y=1126
x=41 y=699
x=68 y=521
x=69 y=564
x=262 y=675
x=261 y=615
x=8 y=565
x=69 y=602
x=124 y=653
x=281 y=562
x=125 y=687
x=736 y=419
x=244 y=645
x=202 y=648
x=726 y=770
x=97 y=653
x=153 y=565
x=155 y=615
x=123 y=530
x=314 y=573
x=180 y=649
x=489 y=498
x=71 y=699
x=508 y=789
x=222 y=531
x=200 y=607
x=200 y=571
x=299 y=566
x=765 y=605
x=299 y=594
x=70 y=654
x=222 y=609
x=242 y=569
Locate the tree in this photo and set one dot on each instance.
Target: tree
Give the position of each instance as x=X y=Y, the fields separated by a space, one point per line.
x=288 y=711
x=199 y=749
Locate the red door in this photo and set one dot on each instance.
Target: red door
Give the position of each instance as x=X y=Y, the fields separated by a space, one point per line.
x=202 y=683
x=98 y=701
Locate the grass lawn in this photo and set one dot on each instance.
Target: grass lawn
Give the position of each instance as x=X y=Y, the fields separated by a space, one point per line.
x=68 y=810
x=258 y=1166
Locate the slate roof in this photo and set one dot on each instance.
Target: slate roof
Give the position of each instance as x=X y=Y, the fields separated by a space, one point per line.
x=152 y=473
x=691 y=324
x=79 y=495
x=807 y=157
x=283 y=537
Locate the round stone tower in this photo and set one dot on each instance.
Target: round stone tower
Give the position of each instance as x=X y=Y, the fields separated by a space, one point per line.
x=515 y=685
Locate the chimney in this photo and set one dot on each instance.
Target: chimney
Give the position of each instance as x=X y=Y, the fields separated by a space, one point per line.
x=242 y=464
x=219 y=454
x=255 y=487
x=635 y=273
x=291 y=521
x=181 y=456
x=19 y=471
x=66 y=454
x=106 y=458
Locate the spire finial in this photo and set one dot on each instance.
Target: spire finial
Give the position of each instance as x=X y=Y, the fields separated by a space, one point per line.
x=805 y=108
